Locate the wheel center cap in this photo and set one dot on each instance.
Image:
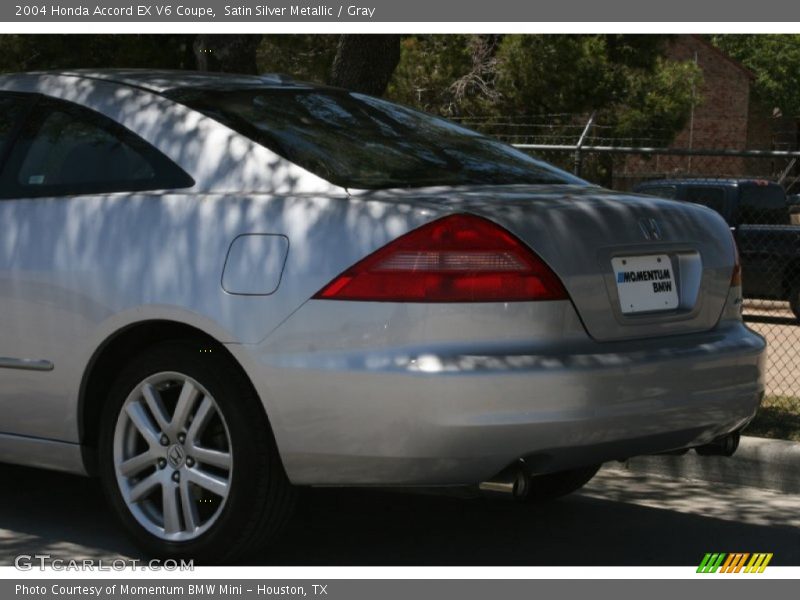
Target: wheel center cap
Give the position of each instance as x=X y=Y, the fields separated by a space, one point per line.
x=176 y=456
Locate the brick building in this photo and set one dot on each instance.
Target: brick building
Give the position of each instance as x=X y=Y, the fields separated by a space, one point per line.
x=726 y=116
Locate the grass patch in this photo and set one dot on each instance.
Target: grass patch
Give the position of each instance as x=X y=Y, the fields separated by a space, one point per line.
x=778 y=418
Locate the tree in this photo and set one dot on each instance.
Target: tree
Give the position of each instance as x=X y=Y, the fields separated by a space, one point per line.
x=227 y=53
x=37 y=52
x=365 y=63
x=775 y=62
x=307 y=57
x=428 y=65
x=625 y=79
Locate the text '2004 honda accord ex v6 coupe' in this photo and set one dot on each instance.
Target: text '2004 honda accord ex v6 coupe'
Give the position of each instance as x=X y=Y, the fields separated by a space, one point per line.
x=216 y=289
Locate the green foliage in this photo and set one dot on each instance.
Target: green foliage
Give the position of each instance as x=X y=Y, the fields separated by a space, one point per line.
x=307 y=57
x=657 y=103
x=635 y=91
x=778 y=418
x=555 y=74
x=624 y=78
x=304 y=56
x=38 y=52
x=429 y=65
x=775 y=62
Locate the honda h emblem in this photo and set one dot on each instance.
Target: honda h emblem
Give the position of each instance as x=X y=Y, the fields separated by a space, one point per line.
x=650 y=229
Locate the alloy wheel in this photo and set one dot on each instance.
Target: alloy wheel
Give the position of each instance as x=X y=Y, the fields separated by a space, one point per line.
x=173 y=457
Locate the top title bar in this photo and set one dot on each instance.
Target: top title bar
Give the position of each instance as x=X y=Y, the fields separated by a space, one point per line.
x=461 y=11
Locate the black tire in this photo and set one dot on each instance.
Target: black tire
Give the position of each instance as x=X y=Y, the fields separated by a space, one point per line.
x=260 y=498
x=544 y=488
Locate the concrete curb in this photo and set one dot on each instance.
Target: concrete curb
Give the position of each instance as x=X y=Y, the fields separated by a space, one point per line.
x=759 y=462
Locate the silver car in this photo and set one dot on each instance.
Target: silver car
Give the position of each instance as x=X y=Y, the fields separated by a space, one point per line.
x=215 y=289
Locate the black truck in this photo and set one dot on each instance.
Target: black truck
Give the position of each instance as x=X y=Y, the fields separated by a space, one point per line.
x=759 y=215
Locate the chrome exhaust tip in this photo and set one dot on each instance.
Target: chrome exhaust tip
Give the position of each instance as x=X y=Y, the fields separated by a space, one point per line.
x=511 y=482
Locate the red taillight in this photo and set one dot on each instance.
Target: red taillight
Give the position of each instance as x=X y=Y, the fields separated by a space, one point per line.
x=460 y=258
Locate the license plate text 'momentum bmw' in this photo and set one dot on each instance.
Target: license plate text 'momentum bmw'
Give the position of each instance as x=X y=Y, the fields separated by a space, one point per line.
x=645 y=283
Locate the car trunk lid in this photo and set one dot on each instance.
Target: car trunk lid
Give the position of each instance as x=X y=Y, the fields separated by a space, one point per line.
x=601 y=242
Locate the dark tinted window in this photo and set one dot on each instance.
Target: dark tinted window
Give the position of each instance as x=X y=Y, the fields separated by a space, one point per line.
x=762 y=204
x=12 y=110
x=712 y=197
x=65 y=149
x=361 y=142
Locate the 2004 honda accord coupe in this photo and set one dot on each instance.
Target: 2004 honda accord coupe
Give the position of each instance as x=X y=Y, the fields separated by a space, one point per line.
x=215 y=289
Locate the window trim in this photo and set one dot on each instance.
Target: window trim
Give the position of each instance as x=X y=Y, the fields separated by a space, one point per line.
x=168 y=174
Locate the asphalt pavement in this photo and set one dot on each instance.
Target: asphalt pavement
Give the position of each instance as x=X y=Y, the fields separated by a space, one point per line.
x=621 y=518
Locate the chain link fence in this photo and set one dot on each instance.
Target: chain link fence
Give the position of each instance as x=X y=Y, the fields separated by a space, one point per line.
x=755 y=190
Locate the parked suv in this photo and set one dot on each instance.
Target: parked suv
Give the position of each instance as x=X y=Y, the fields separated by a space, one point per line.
x=758 y=213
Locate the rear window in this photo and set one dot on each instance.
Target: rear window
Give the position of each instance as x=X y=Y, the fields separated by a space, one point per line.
x=712 y=197
x=762 y=204
x=361 y=142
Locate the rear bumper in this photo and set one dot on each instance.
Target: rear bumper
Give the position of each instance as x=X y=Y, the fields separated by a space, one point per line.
x=434 y=417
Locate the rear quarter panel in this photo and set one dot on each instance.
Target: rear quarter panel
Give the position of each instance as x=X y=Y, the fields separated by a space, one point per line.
x=75 y=270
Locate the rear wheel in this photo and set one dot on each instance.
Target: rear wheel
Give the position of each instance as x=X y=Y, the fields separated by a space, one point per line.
x=542 y=488
x=187 y=456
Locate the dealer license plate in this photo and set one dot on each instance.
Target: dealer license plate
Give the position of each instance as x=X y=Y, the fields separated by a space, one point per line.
x=645 y=283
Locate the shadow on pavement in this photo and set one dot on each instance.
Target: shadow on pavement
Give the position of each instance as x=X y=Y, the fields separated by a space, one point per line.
x=344 y=527
x=771 y=320
x=66 y=517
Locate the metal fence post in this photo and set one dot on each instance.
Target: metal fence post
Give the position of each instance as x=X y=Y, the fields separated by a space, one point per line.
x=578 y=147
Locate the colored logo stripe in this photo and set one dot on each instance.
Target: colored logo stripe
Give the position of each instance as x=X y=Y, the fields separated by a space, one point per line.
x=711 y=563
x=734 y=562
x=758 y=563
